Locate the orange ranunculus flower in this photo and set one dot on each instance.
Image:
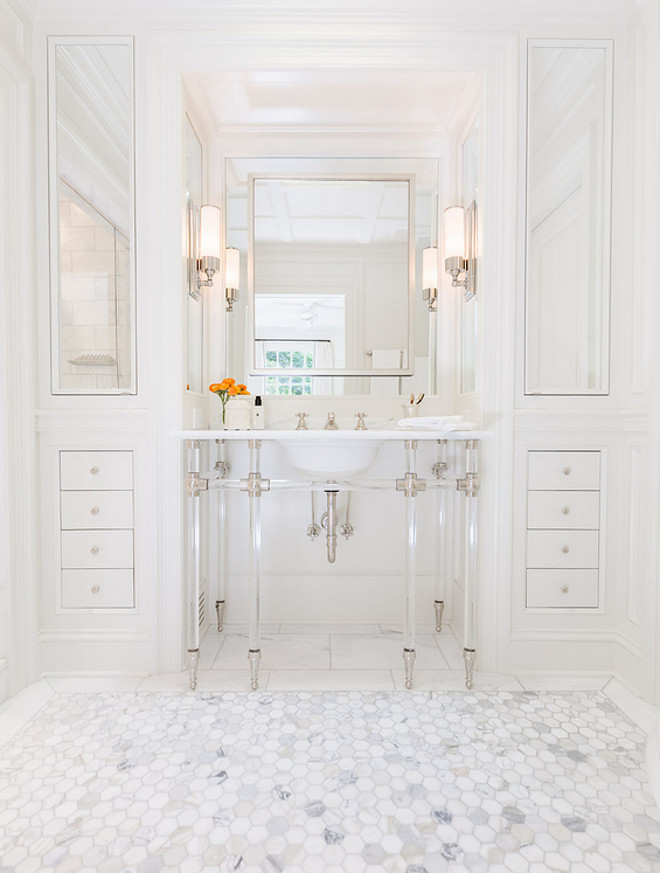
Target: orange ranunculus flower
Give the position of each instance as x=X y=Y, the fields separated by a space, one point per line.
x=215 y=387
x=233 y=390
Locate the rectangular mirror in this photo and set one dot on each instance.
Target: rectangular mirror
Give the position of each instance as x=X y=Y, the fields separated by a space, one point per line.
x=567 y=301
x=92 y=215
x=334 y=302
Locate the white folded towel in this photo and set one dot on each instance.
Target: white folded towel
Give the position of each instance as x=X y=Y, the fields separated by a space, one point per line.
x=445 y=423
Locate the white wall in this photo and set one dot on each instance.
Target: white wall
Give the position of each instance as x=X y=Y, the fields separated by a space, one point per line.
x=19 y=531
x=167 y=36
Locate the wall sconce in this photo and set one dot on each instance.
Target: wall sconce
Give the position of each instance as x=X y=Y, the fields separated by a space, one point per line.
x=460 y=227
x=208 y=258
x=232 y=277
x=430 y=277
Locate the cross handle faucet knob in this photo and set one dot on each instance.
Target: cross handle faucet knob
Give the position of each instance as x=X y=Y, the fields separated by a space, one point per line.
x=360 y=425
x=302 y=424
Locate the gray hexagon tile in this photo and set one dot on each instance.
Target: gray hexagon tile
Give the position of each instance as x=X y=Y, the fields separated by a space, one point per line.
x=499 y=782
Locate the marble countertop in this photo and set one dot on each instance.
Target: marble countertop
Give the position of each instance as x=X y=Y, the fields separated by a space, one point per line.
x=374 y=435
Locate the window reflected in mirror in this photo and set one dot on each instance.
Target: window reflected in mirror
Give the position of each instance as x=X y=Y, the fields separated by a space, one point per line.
x=332 y=273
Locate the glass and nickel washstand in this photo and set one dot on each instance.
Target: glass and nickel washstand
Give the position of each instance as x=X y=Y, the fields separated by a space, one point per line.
x=255 y=486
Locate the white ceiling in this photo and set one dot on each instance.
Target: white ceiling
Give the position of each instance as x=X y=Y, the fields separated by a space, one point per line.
x=337 y=99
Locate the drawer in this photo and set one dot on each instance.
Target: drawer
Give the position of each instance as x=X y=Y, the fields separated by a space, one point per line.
x=561 y=588
x=96 y=509
x=96 y=471
x=576 y=549
x=564 y=471
x=563 y=509
x=97 y=549
x=101 y=589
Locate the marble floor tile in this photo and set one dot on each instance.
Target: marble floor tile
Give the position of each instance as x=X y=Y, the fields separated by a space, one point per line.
x=421 y=627
x=328 y=782
x=454 y=680
x=643 y=714
x=242 y=627
x=18 y=710
x=93 y=684
x=207 y=681
x=329 y=628
x=374 y=652
x=331 y=680
x=563 y=683
x=450 y=648
x=278 y=652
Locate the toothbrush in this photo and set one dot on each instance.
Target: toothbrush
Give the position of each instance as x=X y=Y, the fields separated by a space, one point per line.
x=419 y=399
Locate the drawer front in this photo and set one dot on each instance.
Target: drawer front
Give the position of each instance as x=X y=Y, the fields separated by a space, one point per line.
x=100 y=589
x=96 y=471
x=564 y=471
x=96 y=509
x=575 y=549
x=563 y=509
x=97 y=549
x=557 y=588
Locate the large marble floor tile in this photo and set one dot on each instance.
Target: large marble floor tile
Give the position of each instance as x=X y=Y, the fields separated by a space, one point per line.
x=278 y=652
x=643 y=714
x=563 y=683
x=450 y=648
x=18 y=710
x=349 y=651
x=421 y=627
x=207 y=681
x=93 y=684
x=331 y=680
x=329 y=628
x=454 y=680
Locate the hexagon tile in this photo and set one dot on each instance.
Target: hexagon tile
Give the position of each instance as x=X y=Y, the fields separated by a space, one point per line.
x=354 y=783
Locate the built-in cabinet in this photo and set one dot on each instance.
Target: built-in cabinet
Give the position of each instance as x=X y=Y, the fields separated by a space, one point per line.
x=563 y=511
x=96 y=503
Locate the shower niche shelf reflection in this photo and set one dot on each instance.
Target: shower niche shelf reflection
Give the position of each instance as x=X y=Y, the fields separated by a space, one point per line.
x=92 y=215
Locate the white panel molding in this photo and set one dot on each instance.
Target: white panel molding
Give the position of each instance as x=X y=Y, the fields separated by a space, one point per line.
x=568 y=636
x=580 y=423
x=76 y=420
x=635 y=577
x=95 y=635
x=19 y=559
x=12 y=30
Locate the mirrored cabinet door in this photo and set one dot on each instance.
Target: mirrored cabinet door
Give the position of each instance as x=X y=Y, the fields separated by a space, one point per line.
x=92 y=215
x=567 y=300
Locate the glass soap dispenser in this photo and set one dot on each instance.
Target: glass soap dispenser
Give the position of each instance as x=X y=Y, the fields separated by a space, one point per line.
x=258 y=413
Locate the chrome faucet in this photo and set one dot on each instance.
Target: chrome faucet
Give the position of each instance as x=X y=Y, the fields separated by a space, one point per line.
x=331 y=424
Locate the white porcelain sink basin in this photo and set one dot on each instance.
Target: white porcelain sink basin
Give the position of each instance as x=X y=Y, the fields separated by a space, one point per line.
x=335 y=458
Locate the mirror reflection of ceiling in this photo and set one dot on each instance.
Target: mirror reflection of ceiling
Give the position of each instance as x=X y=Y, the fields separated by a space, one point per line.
x=341 y=100
x=94 y=126
x=339 y=211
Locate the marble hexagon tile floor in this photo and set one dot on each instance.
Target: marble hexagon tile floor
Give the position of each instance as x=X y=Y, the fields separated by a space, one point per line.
x=316 y=782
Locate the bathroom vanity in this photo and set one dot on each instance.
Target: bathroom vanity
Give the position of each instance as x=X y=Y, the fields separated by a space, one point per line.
x=329 y=462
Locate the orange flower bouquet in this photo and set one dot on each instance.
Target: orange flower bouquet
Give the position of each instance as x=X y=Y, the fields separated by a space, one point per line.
x=225 y=391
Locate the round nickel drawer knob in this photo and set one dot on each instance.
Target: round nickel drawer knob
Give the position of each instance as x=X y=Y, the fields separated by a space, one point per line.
x=94 y=470
x=566 y=471
x=565 y=550
x=564 y=589
x=95 y=510
x=94 y=550
x=96 y=588
x=566 y=510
